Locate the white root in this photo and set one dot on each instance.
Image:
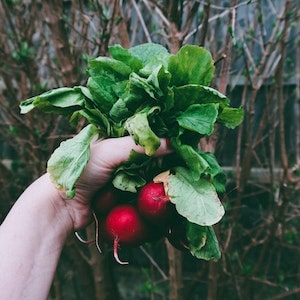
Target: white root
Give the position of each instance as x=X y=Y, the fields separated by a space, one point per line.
x=82 y=240
x=97 y=233
x=96 y=240
x=116 y=256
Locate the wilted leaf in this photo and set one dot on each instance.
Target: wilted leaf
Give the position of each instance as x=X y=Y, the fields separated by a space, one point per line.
x=139 y=129
x=70 y=158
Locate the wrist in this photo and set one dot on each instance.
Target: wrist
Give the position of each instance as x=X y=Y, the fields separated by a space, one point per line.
x=49 y=202
x=34 y=231
x=75 y=212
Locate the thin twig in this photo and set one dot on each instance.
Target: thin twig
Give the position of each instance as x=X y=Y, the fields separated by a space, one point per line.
x=139 y=14
x=154 y=263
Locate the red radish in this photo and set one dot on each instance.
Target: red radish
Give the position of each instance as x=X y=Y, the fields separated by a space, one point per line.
x=108 y=197
x=154 y=205
x=124 y=226
x=104 y=200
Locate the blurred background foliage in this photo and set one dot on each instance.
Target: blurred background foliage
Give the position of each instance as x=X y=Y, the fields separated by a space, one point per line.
x=256 y=48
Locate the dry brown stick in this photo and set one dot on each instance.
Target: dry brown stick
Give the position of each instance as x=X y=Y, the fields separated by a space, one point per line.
x=298 y=91
x=53 y=14
x=189 y=21
x=284 y=295
x=203 y=32
x=175 y=272
x=279 y=84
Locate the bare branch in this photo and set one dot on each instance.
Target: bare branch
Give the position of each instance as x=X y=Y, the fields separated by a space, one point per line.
x=142 y=21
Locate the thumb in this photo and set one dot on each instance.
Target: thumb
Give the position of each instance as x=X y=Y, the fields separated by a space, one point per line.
x=115 y=151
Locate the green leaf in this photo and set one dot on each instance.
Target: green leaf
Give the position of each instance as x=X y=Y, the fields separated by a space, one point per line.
x=151 y=54
x=214 y=171
x=105 y=65
x=132 y=100
x=128 y=176
x=101 y=89
x=107 y=81
x=196 y=200
x=62 y=101
x=124 y=55
x=202 y=164
x=95 y=117
x=211 y=95
x=119 y=111
x=231 y=117
x=203 y=242
x=154 y=89
x=199 y=118
x=138 y=127
x=191 y=65
x=193 y=93
x=160 y=79
x=128 y=181
x=144 y=86
x=69 y=160
x=154 y=63
x=196 y=163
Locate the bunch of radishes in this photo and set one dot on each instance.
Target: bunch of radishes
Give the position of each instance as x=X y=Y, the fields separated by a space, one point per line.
x=148 y=93
x=131 y=219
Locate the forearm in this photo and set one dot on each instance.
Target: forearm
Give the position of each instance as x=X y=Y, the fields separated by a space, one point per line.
x=31 y=239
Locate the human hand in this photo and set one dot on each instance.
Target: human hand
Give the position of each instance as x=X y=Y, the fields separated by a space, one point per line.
x=35 y=230
x=106 y=156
